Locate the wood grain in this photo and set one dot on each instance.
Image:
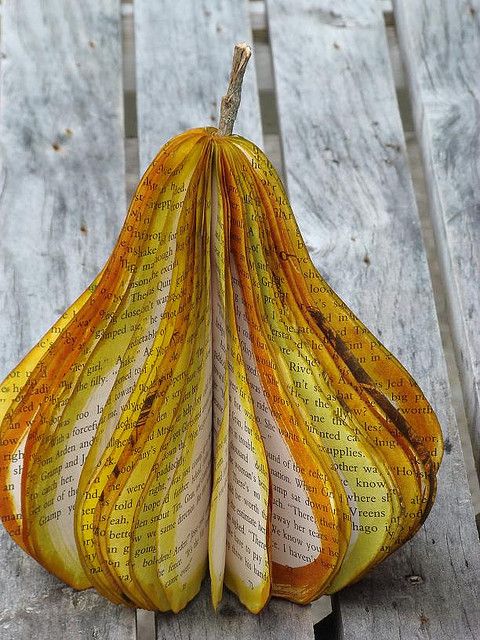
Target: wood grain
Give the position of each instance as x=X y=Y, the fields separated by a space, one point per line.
x=440 y=42
x=62 y=203
x=351 y=190
x=280 y=620
x=184 y=52
x=172 y=97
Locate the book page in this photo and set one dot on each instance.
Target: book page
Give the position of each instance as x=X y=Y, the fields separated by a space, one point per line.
x=299 y=377
x=134 y=353
x=248 y=518
x=381 y=463
x=220 y=396
x=296 y=501
x=297 y=541
x=177 y=410
x=209 y=400
x=240 y=495
x=14 y=433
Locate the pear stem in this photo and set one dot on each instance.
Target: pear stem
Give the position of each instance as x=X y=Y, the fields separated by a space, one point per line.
x=231 y=100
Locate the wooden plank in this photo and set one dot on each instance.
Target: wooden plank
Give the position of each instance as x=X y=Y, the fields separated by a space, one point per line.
x=62 y=202
x=446 y=100
x=280 y=620
x=183 y=53
x=349 y=183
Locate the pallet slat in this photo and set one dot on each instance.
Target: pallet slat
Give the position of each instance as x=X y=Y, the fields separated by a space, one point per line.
x=350 y=187
x=440 y=42
x=280 y=620
x=62 y=178
x=183 y=53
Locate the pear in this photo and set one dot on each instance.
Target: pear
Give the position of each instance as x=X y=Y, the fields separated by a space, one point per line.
x=210 y=403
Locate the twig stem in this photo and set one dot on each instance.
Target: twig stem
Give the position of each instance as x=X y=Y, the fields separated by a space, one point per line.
x=231 y=100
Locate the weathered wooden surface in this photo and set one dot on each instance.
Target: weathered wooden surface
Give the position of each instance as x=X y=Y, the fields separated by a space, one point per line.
x=350 y=188
x=62 y=203
x=61 y=209
x=171 y=98
x=280 y=620
x=440 y=42
x=184 y=52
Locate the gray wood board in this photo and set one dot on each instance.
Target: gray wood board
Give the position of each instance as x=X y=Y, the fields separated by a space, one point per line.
x=280 y=620
x=61 y=204
x=184 y=53
x=440 y=43
x=350 y=187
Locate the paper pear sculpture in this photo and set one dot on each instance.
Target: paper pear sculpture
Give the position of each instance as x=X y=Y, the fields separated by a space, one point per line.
x=210 y=403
